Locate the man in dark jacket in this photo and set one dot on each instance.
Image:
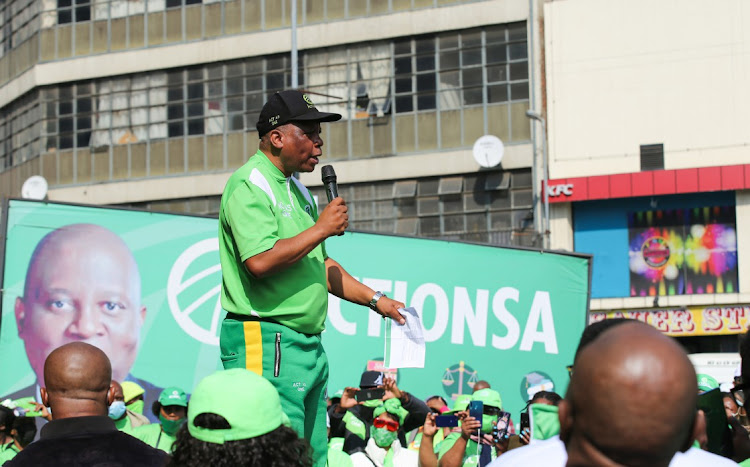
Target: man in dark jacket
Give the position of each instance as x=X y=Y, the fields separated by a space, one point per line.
x=352 y=420
x=77 y=389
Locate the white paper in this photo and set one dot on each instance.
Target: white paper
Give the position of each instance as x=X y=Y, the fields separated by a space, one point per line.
x=404 y=344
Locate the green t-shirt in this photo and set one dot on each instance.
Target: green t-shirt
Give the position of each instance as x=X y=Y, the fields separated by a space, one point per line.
x=471 y=456
x=7 y=452
x=124 y=425
x=153 y=435
x=260 y=206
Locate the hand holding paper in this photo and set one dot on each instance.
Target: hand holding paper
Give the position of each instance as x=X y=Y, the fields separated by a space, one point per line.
x=404 y=344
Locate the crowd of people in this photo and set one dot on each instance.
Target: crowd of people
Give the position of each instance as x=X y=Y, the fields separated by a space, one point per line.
x=633 y=399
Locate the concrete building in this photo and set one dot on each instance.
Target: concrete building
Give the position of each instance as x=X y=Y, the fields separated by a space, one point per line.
x=153 y=103
x=649 y=159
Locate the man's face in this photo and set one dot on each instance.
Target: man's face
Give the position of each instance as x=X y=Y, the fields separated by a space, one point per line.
x=119 y=396
x=82 y=291
x=302 y=147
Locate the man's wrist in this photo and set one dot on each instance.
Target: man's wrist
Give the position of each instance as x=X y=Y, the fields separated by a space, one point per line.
x=373 y=303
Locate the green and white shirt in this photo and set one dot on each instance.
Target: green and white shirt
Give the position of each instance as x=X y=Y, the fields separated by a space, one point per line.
x=259 y=207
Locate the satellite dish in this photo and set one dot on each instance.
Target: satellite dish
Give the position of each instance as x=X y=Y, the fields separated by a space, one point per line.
x=35 y=187
x=488 y=151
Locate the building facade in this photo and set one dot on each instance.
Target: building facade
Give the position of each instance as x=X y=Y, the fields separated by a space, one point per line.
x=647 y=109
x=153 y=103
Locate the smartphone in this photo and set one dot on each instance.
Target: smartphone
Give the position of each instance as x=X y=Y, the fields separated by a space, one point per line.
x=525 y=424
x=501 y=427
x=475 y=409
x=370 y=394
x=443 y=421
x=719 y=437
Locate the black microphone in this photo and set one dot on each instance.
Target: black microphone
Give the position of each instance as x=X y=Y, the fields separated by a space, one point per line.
x=329 y=180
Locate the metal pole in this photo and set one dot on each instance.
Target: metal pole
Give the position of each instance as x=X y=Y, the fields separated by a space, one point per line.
x=545 y=175
x=295 y=82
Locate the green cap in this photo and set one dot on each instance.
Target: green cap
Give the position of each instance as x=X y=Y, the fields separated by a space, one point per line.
x=392 y=406
x=462 y=402
x=131 y=390
x=246 y=400
x=489 y=397
x=338 y=394
x=706 y=382
x=173 y=396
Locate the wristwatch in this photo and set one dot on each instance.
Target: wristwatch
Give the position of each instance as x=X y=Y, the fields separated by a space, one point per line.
x=374 y=302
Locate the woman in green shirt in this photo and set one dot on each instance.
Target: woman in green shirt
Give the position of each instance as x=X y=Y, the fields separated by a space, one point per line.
x=171 y=408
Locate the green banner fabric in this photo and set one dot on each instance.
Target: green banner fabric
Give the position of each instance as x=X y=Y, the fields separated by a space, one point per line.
x=144 y=287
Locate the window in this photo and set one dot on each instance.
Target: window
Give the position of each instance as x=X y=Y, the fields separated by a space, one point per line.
x=465 y=207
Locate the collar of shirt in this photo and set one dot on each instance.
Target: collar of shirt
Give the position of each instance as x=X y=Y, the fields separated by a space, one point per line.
x=76 y=426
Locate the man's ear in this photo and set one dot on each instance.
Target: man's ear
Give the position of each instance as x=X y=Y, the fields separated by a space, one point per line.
x=20 y=311
x=697 y=433
x=45 y=396
x=110 y=395
x=565 y=416
x=276 y=137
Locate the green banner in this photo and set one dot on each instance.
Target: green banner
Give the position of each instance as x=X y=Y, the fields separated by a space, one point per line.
x=144 y=287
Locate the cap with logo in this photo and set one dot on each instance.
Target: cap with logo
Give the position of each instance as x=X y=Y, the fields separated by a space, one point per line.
x=173 y=396
x=290 y=106
x=371 y=379
x=131 y=390
x=462 y=402
x=706 y=382
x=488 y=397
x=246 y=400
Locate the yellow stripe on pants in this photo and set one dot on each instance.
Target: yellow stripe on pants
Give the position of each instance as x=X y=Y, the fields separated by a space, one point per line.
x=253 y=347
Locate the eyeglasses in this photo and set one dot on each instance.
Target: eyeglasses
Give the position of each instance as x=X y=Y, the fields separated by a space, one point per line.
x=738 y=393
x=390 y=425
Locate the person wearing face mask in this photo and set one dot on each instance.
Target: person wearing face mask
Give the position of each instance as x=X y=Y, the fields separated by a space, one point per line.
x=171 y=409
x=133 y=395
x=383 y=449
x=351 y=419
x=124 y=419
x=476 y=445
x=9 y=447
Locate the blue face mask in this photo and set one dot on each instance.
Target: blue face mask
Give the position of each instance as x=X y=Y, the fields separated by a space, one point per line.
x=117 y=410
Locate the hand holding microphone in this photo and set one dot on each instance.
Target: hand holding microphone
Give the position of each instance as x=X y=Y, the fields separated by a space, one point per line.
x=334 y=217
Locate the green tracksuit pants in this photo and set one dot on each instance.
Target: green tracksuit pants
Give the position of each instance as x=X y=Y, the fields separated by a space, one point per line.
x=295 y=363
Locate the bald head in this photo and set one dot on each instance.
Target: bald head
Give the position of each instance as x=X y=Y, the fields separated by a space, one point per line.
x=82 y=284
x=77 y=381
x=632 y=399
x=481 y=384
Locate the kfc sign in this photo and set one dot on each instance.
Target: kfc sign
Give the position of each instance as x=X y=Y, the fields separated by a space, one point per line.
x=561 y=189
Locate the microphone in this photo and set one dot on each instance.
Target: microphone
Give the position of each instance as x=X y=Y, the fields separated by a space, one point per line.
x=329 y=180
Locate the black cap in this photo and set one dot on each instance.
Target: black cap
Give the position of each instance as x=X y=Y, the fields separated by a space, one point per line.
x=290 y=106
x=371 y=379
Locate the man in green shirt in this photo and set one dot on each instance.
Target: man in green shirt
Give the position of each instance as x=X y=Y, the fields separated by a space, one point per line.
x=124 y=419
x=276 y=273
x=171 y=408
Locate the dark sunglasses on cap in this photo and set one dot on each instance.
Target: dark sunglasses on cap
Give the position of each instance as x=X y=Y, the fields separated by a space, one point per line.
x=390 y=425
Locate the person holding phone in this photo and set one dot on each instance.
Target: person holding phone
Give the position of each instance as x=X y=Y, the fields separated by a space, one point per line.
x=383 y=447
x=484 y=435
x=353 y=416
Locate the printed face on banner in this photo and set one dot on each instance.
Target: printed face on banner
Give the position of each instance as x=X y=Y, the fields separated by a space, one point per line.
x=82 y=284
